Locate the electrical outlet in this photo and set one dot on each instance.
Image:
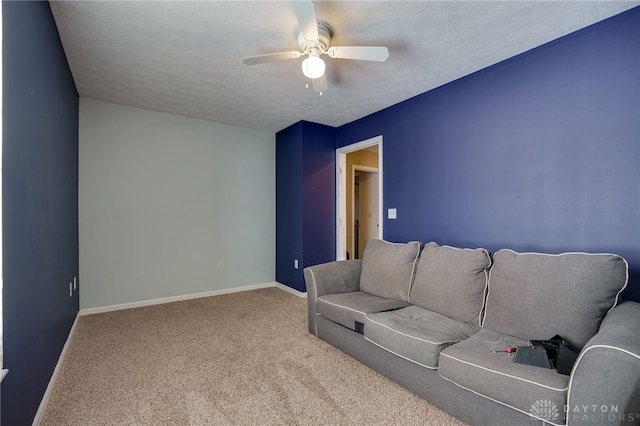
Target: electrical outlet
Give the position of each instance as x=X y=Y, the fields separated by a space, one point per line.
x=70 y=289
x=295 y=263
x=75 y=283
x=220 y=263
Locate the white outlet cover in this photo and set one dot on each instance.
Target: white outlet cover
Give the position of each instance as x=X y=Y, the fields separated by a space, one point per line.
x=392 y=214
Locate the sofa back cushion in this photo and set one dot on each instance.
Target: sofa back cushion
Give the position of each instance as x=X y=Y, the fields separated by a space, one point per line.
x=388 y=268
x=536 y=296
x=451 y=281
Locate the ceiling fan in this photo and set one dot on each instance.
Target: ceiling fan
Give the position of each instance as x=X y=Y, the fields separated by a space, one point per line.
x=314 y=38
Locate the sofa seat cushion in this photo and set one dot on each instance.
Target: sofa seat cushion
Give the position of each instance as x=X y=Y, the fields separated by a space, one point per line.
x=348 y=309
x=472 y=365
x=416 y=334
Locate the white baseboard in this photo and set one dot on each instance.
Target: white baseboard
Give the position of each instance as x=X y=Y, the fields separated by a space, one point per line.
x=102 y=309
x=291 y=290
x=52 y=380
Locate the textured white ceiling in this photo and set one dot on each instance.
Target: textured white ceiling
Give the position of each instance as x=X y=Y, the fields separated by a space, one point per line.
x=185 y=57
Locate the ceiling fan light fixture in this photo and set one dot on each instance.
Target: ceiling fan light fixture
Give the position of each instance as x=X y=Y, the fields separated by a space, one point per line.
x=313 y=66
x=314 y=38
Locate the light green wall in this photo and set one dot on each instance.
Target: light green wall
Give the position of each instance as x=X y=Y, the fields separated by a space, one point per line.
x=162 y=197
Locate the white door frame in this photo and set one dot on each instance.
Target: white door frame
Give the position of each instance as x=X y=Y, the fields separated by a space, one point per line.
x=341 y=191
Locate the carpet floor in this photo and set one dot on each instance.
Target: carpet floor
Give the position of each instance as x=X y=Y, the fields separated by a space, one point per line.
x=237 y=359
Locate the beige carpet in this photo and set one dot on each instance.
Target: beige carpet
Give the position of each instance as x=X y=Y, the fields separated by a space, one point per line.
x=237 y=359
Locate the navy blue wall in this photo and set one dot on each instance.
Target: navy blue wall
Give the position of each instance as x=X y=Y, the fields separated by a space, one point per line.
x=540 y=152
x=289 y=205
x=305 y=200
x=319 y=199
x=40 y=205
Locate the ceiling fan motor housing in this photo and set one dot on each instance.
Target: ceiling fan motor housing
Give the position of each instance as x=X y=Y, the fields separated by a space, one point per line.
x=323 y=42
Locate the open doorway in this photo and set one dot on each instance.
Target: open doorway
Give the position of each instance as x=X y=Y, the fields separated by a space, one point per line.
x=366 y=218
x=359 y=197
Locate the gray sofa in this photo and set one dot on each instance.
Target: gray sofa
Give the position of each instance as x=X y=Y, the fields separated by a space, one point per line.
x=438 y=319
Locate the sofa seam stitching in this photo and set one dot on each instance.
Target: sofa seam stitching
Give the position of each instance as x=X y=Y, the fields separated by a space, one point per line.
x=507 y=375
x=408 y=335
x=397 y=354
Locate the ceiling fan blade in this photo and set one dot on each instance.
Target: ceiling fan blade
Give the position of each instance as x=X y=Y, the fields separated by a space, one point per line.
x=320 y=84
x=364 y=53
x=271 y=57
x=306 y=13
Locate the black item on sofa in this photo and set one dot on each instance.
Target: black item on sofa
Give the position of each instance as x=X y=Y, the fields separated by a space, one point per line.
x=560 y=353
x=532 y=355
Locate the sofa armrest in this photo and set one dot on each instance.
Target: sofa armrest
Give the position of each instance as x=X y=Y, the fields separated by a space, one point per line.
x=605 y=382
x=328 y=278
